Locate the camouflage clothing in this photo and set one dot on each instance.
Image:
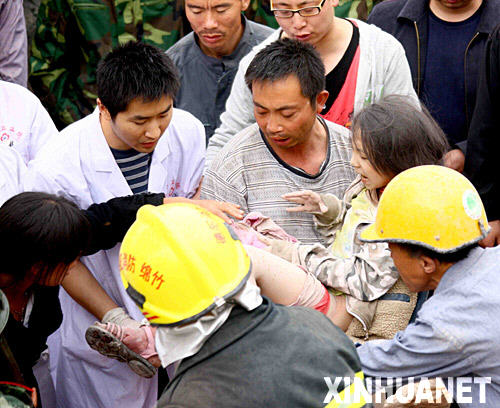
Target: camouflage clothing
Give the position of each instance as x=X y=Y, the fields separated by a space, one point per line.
x=71 y=37
x=364 y=271
x=355 y=8
x=260 y=12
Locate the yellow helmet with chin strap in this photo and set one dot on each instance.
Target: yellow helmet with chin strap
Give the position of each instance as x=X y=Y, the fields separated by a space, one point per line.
x=179 y=261
x=432 y=207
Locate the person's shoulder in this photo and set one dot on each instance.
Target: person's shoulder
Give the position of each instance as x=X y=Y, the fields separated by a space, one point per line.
x=260 y=31
x=388 y=9
x=18 y=94
x=338 y=133
x=236 y=151
x=378 y=38
x=181 y=48
x=185 y=128
x=273 y=36
x=184 y=120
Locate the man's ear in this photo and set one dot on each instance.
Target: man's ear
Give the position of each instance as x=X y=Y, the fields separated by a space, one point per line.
x=244 y=4
x=321 y=100
x=428 y=264
x=103 y=110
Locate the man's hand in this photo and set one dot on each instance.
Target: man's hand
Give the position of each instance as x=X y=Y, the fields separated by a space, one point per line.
x=220 y=208
x=493 y=238
x=310 y=201
x=455 y=159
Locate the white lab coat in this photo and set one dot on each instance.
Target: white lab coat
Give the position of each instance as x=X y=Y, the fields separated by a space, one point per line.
x=80 y=166
x=25 y=125
x=12 y=171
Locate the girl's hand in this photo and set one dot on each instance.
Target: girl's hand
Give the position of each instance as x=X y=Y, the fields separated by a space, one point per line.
x=309 y=201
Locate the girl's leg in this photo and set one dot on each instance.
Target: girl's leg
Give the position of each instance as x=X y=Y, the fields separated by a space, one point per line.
x=289 y=285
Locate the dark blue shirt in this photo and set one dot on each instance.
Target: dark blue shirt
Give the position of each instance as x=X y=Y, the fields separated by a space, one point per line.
x=444 y=77
x=134 y=167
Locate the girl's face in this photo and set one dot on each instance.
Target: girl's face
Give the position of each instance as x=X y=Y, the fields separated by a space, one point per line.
x=370 y=177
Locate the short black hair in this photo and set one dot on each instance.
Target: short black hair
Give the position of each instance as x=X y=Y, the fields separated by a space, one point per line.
x=415 y=251
x=286 y=57
x=41 y=230
x=396 y=135
x=135 y=70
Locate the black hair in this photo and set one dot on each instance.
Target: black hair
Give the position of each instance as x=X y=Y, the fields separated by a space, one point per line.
x=41 y=230
x=396 y=136
x=286 y=57
x=415 y=251
x=135 y=70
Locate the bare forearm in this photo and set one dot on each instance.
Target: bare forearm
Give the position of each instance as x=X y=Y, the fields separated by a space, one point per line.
x=86 y=291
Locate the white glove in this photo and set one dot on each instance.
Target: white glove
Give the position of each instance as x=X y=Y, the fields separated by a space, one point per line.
x=120 y=317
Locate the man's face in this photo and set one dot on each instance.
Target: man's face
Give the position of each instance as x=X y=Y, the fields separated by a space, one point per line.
x=141 y=125
x=411 y=269
x=284 y=114
x=309 y=29
x=217 y=23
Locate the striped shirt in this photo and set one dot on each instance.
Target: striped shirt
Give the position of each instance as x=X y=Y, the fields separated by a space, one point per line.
x=247 y=172
x=134 y=167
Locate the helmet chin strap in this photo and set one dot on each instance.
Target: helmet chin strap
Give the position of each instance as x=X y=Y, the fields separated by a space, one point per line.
x=483 y=229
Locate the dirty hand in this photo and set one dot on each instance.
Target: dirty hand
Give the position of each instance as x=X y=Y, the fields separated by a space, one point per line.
x=221 y=209
x=455 y=160
x=493 y=238
x=310 y=201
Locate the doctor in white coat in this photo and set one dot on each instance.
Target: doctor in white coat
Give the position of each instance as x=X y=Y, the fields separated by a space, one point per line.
x=25 y=125
x=12 y=171
x=136 y=86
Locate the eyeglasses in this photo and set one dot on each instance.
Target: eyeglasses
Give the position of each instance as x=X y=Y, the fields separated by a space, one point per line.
x=304 y=12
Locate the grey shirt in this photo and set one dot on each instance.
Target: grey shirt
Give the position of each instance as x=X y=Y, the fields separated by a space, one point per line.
x=455 y=334
x=13 y=43
x=206 y=81
x=249 y=173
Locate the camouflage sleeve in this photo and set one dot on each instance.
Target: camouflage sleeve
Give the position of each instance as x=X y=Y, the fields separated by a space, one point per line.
x=56 y=61
x=366 y=276
x=359 y=9
x=329 y=223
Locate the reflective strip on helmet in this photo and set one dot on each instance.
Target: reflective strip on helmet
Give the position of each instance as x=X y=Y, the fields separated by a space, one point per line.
x=137 y=297
x=350 y=393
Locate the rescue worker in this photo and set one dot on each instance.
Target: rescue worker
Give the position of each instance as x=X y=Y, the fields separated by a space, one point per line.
x=229 y=345
x=433 y=235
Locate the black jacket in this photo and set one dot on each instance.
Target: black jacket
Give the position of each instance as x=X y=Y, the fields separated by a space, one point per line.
x=483 y=144
x=407 y=21
x=273 y=356
x=109 y=222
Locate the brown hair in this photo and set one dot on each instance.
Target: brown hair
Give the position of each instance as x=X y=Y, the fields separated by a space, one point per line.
x=396 y=135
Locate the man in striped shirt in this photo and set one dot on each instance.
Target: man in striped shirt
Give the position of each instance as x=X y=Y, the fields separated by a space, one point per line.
x=290 y=147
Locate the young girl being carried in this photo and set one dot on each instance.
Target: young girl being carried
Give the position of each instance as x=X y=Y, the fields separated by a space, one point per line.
x=388 y=138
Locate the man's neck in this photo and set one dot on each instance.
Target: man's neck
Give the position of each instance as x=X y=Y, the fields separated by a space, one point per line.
x=454 y=15
x=310 y=155
x=333 y=45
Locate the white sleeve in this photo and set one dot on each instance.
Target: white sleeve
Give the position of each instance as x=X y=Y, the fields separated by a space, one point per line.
x=42 y=130
x=42 y=176
x=397 y=78
x=196 y=160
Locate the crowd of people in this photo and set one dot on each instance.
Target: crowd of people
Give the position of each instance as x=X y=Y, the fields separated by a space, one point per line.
x=243 y=215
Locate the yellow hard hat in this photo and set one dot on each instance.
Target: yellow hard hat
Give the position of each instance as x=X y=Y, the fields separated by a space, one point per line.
x=179 y=261
x=432 y=207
